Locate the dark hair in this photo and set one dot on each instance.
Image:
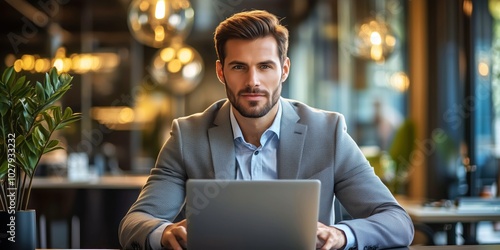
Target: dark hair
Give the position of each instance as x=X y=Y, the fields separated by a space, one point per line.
x=250 y=25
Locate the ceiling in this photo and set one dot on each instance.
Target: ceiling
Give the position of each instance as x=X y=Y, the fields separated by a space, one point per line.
x=34 y=28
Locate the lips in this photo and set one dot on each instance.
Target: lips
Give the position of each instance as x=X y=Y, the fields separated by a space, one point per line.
x=252 y=96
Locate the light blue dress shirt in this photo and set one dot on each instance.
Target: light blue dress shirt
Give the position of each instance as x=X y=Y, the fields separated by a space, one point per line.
x=255 y=163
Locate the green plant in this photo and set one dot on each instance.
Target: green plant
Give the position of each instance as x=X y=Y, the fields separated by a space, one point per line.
x=400 y=152
x=29 y=116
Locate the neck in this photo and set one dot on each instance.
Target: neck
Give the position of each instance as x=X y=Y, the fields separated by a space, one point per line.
x=253 y=128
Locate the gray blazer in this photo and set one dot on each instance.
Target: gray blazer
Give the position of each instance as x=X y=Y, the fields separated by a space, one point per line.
x=313 y=144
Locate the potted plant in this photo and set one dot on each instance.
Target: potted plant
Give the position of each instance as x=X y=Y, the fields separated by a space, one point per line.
x=29 y=115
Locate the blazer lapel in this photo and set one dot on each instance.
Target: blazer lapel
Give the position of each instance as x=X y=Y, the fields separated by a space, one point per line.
x=222 y=145
x=292 y=137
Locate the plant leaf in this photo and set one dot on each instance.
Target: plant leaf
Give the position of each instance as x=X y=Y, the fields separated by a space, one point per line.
x=49 y=88
x=52 y=143
x=51 y=146
x=57 y=113
x=33 y=160
x=68 y=117
x=52 y=149
x=8 y=76
x=49 y=120
x=23 y=157
x=44 y=131
x=67 y=113
x=20 y=83
x=31 y=144
x=3 y=169
x=19 y=140
x=4 y=107
x=40 y=93
x=39 y=137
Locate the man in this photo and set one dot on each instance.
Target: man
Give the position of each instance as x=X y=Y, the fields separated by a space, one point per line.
x=256 y=134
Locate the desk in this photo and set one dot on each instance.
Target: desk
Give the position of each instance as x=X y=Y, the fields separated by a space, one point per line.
x=455 y=247
x=447 y=216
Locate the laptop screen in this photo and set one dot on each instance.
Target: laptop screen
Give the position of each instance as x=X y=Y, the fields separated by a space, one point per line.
x=232 y=214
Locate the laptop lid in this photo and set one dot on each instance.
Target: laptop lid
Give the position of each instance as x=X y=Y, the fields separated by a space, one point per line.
x=231 y=214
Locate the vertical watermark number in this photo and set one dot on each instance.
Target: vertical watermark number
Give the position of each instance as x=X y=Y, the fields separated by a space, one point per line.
x=11 y=183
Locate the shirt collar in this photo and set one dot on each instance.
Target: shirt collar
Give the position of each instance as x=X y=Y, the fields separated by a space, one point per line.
x=275 y=126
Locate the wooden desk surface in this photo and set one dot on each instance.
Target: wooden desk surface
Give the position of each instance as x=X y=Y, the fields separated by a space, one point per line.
x=102 y=182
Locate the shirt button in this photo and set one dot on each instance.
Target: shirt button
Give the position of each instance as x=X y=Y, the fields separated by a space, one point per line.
x=256 y=152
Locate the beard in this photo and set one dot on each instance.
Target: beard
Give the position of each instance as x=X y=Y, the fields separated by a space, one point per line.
x=254 y=110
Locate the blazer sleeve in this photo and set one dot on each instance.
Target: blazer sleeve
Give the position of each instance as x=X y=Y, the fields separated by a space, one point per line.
x=161 y=198
x=378 y=220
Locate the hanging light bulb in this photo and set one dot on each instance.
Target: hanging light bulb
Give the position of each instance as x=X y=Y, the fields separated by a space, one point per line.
x=373 y=40
x=160 y=9
x=178 y=68
x=155 y=22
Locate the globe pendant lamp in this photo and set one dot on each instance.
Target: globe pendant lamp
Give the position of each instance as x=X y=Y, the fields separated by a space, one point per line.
x=373 y=39
x=156 y=22
x=177 y=68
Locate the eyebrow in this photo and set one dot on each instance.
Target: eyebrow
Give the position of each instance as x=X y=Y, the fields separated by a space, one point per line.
x=260 y=63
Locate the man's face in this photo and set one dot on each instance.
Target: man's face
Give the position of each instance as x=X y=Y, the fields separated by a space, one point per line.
x=252 y=75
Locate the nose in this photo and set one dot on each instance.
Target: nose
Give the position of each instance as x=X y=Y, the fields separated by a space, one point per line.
x=253 y=78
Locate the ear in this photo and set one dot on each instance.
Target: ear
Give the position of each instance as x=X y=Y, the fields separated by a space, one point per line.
x=220 y=72
x=285 y=70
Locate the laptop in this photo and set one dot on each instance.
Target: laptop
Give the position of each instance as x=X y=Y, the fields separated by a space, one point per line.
x=232 y=214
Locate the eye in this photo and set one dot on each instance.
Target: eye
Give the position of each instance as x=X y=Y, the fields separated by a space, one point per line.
x=265 y=66
x=238 y=67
